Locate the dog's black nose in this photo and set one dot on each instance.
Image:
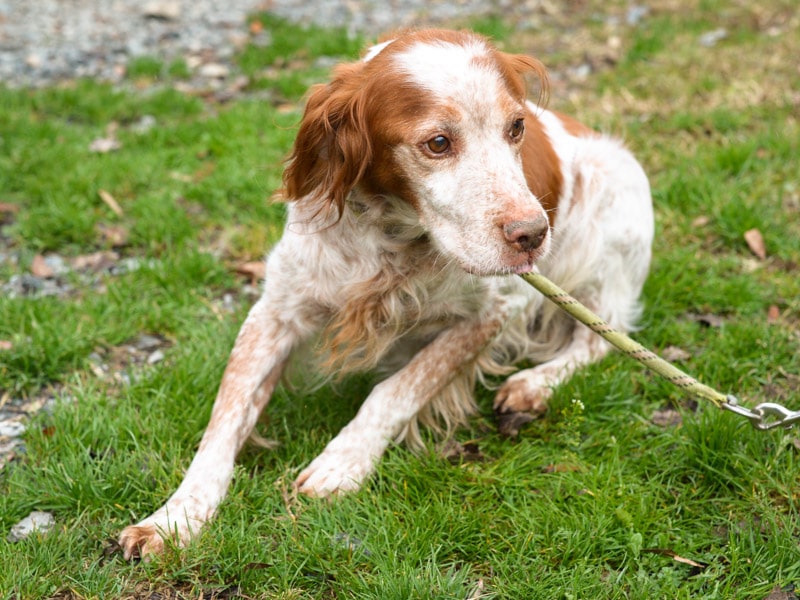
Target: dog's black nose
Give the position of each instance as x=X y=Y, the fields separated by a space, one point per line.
x=526 y=235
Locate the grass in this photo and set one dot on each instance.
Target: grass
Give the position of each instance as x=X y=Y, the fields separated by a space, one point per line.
x=592 y=501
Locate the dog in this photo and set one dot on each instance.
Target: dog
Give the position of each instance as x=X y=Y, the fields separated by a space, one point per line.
x=421 y=182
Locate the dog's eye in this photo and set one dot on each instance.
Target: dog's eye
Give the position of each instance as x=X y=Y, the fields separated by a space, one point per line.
x=438 y=145
x=517 y=129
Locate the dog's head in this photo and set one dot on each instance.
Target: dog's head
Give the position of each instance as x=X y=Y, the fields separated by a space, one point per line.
x=439 y=120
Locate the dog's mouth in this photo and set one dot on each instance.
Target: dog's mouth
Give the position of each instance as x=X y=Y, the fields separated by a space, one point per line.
x=484 y=271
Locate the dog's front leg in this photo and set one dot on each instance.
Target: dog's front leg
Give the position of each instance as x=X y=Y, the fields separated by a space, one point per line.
x=351 y=456
x=255 y=366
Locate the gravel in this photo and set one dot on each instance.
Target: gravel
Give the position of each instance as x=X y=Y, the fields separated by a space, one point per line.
x=44 y=41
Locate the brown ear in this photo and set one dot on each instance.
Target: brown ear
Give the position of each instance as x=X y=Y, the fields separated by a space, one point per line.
x=518 y=65
x=332 y=149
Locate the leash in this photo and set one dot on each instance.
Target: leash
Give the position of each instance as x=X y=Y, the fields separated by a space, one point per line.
x=767 y=415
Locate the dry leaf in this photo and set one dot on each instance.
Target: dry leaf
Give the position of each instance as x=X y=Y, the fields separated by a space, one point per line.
x=561 y=468
x=701 y=221
x=7 y=207
x=456 y=452
x=97 y=261
x=116 y=235
x=206 y=169
x=773 y=314
x=6 y=345
x=104 y=145
x=40 y=268
x=255 y=270
x=779 y=593
x=673 y=353
x=477 y=591
x=667 y=417
x=509 y=423
x=110 y=202
x=182 y=177
x=674 y=556
x=708 y=320
x=755 y=241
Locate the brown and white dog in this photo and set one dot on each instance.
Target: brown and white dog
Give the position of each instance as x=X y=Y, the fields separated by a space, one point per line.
x=421 y=181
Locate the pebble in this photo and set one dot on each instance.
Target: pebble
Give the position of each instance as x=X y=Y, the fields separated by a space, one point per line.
x=710 y=38
x=38 y=521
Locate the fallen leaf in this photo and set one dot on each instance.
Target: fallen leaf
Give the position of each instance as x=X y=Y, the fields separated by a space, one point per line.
x=104 y=145
x=7 y=207
x=40 y=268
x=773 y=314
x=110 y=202
x=116 y=235
x=509 y=424
x=666 y=417
x=478 y=591
x=182 y=177
x=708 y=320
x=97 y=261
x=673 y=354
x=782 y=593
x=255 y=270
x=701 y=221
x=204 y=171
x=6 y=345
x=256 y=27
x=674 y=556
x=755 y=241
x=456 y=452
x=561 y=468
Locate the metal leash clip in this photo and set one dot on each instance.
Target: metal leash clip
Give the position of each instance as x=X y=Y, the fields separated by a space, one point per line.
x=765 y=416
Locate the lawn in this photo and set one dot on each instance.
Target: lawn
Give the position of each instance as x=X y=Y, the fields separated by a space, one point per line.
x=125 y=276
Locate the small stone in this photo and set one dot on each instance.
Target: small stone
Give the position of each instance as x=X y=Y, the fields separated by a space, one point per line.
x=710 y=38
x=104 y=145
x=155 y=357
x=214 y=71
x=145 y=124
x=636 y=13
x=148 y=342
x=37 y=521
x=34 y=61
x=11 y=428
x=162 y=9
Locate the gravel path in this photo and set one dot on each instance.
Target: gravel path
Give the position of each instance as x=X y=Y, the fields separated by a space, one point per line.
x=42 y=41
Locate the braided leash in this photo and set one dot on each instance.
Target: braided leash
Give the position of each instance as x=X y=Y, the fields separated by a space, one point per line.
x=767 y=415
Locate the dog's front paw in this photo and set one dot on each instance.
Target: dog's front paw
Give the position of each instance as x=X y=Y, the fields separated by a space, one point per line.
x=522 y=398
x=523 y=392
x=335 y=471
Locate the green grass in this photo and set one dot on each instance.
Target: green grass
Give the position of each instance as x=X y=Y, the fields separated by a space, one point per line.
x=592 y=501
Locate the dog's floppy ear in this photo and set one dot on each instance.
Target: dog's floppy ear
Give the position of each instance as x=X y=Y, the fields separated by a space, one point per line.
x=332 y=149
x=516 y=66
